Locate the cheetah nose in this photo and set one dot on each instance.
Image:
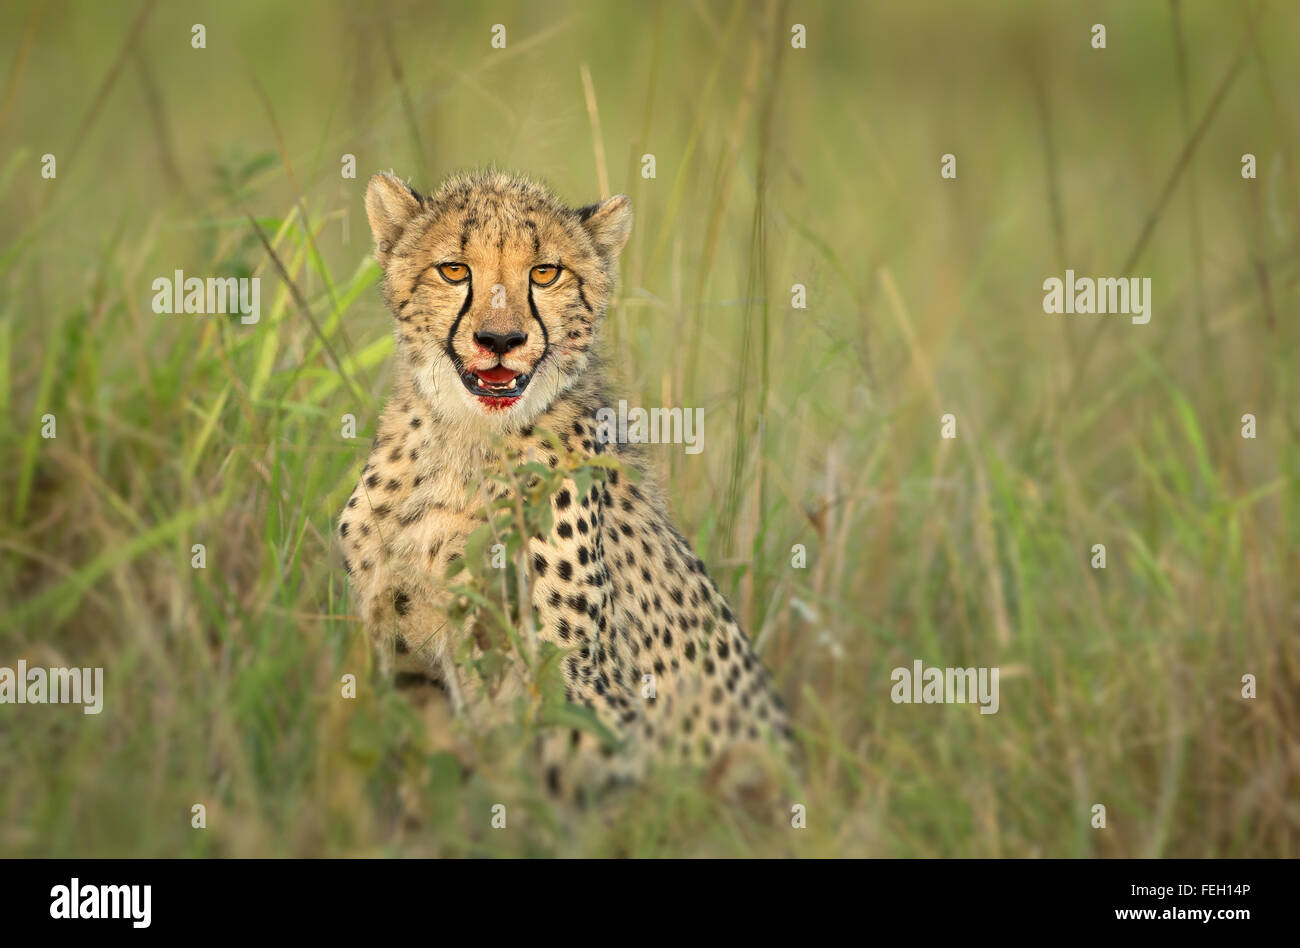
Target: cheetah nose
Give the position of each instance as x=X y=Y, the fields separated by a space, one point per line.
x=500 y=342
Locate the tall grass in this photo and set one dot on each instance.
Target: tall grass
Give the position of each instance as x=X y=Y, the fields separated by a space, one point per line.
x=774 y=167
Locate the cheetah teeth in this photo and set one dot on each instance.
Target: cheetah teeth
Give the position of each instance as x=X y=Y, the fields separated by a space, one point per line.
x=479 y=385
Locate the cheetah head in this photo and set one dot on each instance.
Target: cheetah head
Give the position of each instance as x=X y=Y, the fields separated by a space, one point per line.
x=497 y=287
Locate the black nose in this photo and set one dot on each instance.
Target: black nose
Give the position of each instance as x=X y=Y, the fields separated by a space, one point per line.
x=500 y=342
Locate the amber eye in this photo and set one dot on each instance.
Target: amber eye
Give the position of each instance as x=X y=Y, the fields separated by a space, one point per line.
x=453 y=272
x=546 y=274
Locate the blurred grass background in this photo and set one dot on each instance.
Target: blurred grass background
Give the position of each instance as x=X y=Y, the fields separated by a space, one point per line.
x=774 y=166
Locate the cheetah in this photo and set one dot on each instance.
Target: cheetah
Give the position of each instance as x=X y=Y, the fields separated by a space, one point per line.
x=498 y=291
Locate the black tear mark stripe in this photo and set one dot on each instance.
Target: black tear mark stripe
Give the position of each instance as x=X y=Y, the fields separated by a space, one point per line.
x=546 y=337
x=451 y=334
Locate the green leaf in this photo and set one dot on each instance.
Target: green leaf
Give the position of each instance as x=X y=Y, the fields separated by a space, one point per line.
x=570 y=715
x=444 y=773
x=476 y=544
x=582 y=479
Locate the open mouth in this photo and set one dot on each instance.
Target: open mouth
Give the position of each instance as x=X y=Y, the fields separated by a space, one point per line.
x=496 y=387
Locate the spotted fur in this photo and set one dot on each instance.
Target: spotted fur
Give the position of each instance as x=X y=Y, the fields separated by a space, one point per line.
x=615 y=583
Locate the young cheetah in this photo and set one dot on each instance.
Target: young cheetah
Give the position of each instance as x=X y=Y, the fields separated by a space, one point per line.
x=499 y=292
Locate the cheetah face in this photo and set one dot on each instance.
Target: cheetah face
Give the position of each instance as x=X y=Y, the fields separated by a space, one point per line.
x=498 y=290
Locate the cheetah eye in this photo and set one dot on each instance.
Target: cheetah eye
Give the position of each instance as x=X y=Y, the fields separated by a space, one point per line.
x=545 y=275
x=453 y=272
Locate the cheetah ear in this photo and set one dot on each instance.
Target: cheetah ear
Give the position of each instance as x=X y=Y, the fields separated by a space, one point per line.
x=390 y=205
x=609 y=223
